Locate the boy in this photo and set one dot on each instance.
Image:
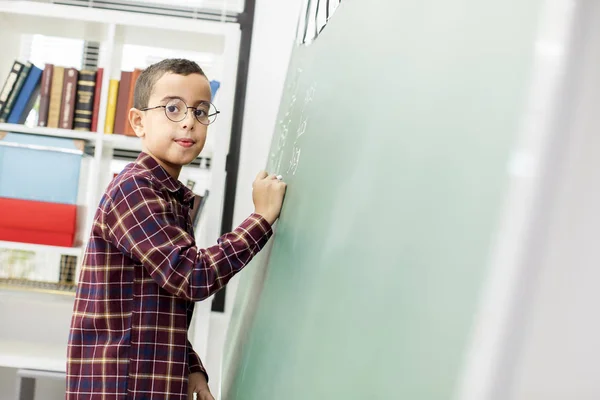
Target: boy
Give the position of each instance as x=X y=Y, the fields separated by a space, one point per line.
x=142 y=271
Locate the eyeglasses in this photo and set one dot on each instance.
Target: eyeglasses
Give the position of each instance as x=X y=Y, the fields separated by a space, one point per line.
x=176 y=110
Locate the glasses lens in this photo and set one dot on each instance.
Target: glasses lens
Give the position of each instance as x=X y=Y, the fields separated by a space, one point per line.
x=176 y=110
x=206 y=113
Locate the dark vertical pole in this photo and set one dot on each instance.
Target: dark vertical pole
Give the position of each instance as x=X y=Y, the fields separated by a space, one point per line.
x=246 y=21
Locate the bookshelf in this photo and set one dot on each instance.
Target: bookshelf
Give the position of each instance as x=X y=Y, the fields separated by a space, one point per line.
x=114 y=30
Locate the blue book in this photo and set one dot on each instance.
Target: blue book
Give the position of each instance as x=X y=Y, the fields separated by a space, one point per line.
x=214 y=87
x=27 y=97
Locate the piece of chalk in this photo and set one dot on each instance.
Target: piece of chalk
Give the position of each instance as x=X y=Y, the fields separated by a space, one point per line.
x=279 y=177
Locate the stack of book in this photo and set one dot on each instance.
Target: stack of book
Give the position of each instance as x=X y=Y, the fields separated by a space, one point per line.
x=68 y=98
x=120 y=100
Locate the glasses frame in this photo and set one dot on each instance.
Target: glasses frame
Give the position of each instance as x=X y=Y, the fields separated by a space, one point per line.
x=187 y=108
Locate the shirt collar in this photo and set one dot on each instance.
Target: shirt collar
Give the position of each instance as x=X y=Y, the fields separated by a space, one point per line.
x=164 y=178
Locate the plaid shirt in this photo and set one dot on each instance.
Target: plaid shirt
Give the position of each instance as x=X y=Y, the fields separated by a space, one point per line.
x=141 y=274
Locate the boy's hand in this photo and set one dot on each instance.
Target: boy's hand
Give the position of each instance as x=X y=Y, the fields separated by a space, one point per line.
x=197 y=384
x=268 y=196
x=203 y=395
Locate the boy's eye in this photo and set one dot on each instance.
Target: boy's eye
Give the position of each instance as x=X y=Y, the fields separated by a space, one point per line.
x=200 y=113
x=172 y=108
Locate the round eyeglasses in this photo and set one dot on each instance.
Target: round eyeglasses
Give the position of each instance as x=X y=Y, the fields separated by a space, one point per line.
x=176 y=110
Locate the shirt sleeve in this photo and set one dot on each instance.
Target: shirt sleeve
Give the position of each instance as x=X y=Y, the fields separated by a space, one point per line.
x=194 y=361
x=141 y=224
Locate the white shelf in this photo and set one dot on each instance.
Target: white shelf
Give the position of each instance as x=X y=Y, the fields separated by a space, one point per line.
x=70 y=251
x=54 y=132
x=31 y=355
x=124 y=142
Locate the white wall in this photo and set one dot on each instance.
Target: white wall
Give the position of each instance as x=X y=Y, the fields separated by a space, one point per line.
x=274 y=32
x=558 y=354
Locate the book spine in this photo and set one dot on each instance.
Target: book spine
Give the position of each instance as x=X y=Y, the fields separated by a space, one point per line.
x=122 y=102
x=128 y=129
x=97 y=96
x=56 y=91
x=84 y=106
x=15 y=93
x=27 y=97
x=111 y=106
x=9 y=83
x=67 y=111
x=45 y=95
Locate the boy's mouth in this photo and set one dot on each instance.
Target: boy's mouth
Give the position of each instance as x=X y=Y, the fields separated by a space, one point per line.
x=185 y=142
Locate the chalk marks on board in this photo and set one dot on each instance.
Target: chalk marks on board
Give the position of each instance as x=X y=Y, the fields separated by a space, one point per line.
x=295 y=160
x=276 y=157
x=289 y=121
x=314 y=17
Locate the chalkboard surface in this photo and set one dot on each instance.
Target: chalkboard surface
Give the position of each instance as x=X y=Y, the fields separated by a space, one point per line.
x=394 y=135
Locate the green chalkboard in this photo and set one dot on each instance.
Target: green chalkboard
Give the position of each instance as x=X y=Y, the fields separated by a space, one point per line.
x=394 y=135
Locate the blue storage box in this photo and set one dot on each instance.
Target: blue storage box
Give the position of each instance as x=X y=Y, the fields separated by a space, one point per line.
x=40 y=168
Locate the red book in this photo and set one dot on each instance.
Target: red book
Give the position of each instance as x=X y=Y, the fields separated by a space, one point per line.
x=37 y=222
x=97 y=94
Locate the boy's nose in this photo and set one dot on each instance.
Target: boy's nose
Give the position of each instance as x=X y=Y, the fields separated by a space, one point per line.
x=189 y=121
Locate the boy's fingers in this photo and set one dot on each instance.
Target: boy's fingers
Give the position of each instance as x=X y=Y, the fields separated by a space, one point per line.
x=205 y=395
x=262 y=175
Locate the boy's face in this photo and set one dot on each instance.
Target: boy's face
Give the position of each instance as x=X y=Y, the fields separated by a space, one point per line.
x=173 y=144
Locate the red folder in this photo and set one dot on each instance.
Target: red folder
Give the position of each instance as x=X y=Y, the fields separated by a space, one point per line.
x=37 y=222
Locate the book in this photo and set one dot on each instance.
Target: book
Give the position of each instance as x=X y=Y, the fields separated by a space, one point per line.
x=9 y=83
x=56 y=91
x=214 y=88
x=84 y=104
x=15 y=92
x=39 y=222
x=45 y=95
x=27 y=97
x=111 y=106
x=128 y=129
x=67 y=109
x=122 y=112
x=97 y=95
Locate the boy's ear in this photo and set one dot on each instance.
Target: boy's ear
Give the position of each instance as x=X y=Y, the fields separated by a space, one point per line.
x=136 y=119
